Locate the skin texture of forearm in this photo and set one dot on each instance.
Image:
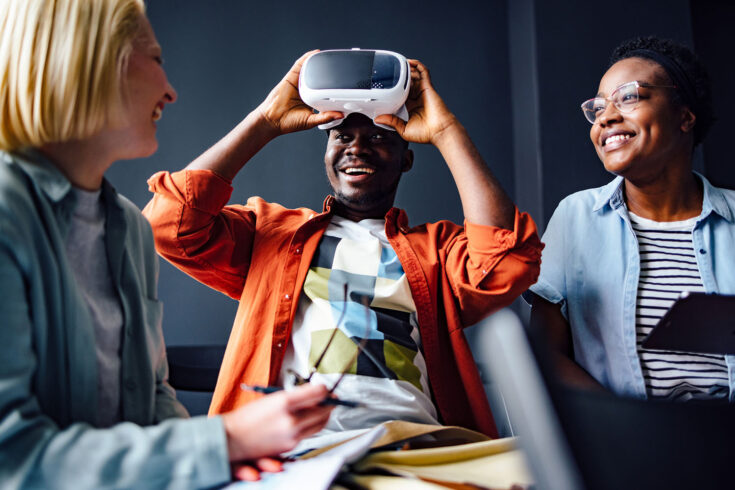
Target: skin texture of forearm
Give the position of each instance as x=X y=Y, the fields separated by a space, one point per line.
x=484 y=201
x=548 y=322
x=281 y=112
x=227 y=157
x=572 y=374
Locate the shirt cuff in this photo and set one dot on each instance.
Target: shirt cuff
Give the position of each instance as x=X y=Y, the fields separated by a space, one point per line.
x=202 y=190
x=213 y=462
x=489 y=244
x=499 y=240
x=548 y=292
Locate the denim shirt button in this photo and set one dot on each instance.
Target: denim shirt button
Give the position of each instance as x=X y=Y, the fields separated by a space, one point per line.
x=702 y=251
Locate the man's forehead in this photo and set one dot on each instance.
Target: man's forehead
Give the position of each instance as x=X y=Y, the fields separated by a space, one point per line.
x=356 y=121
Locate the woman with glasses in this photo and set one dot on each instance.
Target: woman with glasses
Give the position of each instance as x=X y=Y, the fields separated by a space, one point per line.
x=84 y=397
x=618 y=256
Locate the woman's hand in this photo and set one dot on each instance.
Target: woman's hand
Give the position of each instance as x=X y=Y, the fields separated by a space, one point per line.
x=283 y=111
x=428 y=116
x=251 y=471
x=275 y=423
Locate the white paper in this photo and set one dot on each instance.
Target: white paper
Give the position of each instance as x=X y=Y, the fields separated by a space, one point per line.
x=315 y=473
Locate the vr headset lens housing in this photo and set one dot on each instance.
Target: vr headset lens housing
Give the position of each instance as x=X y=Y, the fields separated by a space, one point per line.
x=353 y=70
x=366 y=81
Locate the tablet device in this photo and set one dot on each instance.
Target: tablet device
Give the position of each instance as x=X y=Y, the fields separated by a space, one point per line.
x=696 y=322
x=579 y=440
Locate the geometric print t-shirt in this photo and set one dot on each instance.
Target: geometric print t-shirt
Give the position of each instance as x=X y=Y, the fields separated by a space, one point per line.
x=389 y=375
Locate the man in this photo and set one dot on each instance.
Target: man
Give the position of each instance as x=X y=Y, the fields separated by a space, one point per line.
x=398 y=295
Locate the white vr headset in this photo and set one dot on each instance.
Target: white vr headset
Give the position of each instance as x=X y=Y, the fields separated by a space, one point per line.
x=367 y=81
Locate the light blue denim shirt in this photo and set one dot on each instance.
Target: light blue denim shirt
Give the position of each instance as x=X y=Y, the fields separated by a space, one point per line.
x=590 y=266
x=48 y=370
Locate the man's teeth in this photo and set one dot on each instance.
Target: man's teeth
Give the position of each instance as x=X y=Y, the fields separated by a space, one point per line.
x=617 y=137
x=157 y=113
x=359 y=171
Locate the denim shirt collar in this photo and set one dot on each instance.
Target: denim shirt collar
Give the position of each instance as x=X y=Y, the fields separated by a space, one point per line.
x=43 y=173
x=48 y=178
x=713 y=201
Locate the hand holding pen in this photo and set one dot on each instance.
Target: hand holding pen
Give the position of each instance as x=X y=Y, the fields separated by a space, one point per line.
x=327 y=401
x=275 y=423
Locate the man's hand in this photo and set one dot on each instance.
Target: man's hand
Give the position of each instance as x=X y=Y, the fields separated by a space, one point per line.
x=428 y=116
x=429 y=121
x=283 y=111
x=275 y=423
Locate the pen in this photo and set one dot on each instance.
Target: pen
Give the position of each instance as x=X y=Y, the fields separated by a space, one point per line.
x=260 y=389
x=327 y=401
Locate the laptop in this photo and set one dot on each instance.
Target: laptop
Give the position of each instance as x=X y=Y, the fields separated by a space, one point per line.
x=577 y=440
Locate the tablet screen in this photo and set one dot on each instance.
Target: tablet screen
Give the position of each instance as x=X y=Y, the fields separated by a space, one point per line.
x=696 y=322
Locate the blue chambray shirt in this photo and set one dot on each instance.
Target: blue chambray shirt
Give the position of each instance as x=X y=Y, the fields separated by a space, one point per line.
x=48 y=371
x=591 y=266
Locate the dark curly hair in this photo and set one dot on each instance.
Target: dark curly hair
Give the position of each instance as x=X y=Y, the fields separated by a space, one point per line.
x=690 y=65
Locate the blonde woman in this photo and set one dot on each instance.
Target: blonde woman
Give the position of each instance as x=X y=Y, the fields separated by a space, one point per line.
x=84 y=401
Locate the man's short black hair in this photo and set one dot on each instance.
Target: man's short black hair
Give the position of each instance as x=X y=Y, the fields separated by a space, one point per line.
x=692 y=67
x=327 y=131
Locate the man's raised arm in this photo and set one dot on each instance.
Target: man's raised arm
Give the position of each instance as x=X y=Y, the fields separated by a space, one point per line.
x=281 y=112
x=484 y=201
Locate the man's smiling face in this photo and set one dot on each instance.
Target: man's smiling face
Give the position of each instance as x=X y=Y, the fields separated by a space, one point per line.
x=364 y=164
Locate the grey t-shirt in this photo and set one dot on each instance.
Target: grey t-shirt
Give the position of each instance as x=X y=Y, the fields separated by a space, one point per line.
x=87 y=253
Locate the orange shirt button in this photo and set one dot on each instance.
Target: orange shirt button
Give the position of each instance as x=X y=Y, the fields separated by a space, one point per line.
x=287 y=296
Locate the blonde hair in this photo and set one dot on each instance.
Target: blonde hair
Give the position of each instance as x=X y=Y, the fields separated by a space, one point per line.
x=61 y=67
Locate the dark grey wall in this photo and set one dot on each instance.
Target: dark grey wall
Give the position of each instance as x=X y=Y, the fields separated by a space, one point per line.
x=559 y=52
x=223 y=56
x=712 y=22
x=514 y=71
x=574 y=42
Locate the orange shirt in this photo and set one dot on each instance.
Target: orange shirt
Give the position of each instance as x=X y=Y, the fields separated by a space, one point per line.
x=260 y=253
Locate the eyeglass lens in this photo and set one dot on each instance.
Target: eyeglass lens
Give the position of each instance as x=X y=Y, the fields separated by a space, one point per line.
x=624 y=98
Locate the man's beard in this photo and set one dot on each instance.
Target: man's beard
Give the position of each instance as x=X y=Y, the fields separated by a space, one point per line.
x=368 y=199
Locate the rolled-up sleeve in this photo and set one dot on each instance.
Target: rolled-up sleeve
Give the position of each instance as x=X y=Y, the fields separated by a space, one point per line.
x=194 y=230
x=489 y=267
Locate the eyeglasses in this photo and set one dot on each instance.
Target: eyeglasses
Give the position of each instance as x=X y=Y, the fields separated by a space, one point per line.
x=625 y=98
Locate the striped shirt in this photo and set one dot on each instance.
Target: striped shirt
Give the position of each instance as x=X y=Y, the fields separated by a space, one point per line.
x=668 y=268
